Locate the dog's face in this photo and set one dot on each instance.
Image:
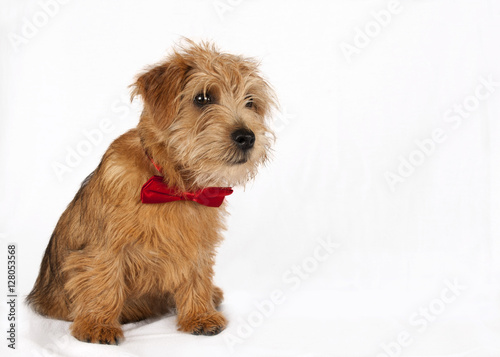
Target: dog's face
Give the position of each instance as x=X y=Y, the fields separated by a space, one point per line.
x=209 y=111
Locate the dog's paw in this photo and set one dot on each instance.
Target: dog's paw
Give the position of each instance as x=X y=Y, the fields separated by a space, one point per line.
x=208 y=324
x=94 y=333
x=217 y=296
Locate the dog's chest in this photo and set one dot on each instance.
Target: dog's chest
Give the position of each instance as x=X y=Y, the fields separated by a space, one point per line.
x=175 y=238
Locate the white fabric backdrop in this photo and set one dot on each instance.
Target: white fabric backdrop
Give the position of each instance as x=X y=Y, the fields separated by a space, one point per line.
x=323 y=256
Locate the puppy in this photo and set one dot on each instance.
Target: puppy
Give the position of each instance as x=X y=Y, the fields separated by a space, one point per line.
x=138 y=240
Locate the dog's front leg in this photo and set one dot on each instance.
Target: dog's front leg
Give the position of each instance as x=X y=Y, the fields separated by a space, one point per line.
x=196 y=311
x=97 y=297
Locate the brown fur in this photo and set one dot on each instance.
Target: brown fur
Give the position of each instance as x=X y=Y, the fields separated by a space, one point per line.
x=112 y=259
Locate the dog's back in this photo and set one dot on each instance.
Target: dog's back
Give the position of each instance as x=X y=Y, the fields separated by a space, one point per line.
x=48 y=297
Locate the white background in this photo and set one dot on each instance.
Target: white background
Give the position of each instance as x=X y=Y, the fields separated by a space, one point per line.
x=345 y=123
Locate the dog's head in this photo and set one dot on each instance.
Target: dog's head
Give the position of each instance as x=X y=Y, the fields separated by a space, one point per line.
x=205 y=116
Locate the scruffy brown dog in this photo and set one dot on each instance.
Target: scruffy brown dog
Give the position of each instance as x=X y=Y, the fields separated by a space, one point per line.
x=113 y=259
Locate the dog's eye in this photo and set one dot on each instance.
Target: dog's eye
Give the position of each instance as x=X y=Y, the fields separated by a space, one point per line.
x=202 y=99
x=249 y=103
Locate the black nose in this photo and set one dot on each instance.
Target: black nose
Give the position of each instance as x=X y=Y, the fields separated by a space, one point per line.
x=244 y=138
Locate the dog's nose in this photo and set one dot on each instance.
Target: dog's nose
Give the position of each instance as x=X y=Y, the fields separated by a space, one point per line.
x=244 y=138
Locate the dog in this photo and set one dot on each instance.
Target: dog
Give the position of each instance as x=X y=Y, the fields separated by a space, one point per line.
x=138 y=240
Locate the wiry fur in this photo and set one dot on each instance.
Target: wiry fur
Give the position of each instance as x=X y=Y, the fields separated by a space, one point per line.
x=113 y=259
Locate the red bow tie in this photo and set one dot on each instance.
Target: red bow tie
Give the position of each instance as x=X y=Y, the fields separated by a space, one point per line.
x=156 y=191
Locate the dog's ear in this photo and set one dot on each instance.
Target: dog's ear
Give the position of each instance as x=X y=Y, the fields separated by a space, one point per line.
x=160 y=88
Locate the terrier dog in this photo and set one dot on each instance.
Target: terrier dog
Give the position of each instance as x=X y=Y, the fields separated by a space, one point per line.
x=138 y=240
